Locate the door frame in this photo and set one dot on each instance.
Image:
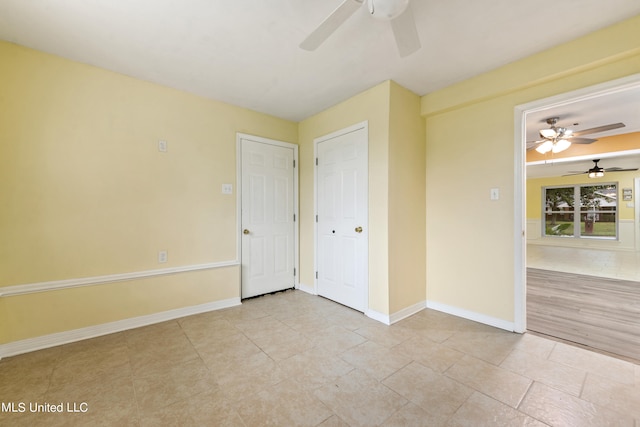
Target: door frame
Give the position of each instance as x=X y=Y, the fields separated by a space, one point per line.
x=636 y=207
x=520 y=189
x=296 y=208
x=358 y=126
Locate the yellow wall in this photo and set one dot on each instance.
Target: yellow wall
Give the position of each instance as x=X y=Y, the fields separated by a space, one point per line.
x=470 y=149
x=396 y=191
x=407 y=193
x=85 y=191
x=371 y=105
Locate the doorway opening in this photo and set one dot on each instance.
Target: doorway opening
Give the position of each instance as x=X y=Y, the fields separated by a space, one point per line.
x=531 y=113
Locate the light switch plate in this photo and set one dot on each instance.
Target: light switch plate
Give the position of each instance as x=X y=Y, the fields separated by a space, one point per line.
x=495 y=193
x=163 y=146
x=227 y=188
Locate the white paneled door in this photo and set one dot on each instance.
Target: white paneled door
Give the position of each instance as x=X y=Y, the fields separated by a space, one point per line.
x=342 y=221
x=267 y=217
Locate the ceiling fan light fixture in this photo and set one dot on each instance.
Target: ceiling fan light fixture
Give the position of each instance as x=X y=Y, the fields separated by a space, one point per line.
x=545 y=147
x=387 y=10
x=561 y=145
x=548 y=133
x=596 y=173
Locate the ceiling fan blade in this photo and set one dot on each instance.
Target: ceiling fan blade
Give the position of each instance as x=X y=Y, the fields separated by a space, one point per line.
x=582 y=140
x=532 y=144
x=599 y=129
x=406 y=33
x=575 y=173
x=331 y=24
x=619 y=170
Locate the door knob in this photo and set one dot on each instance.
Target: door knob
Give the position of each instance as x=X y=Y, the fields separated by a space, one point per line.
x=245 y=231
x=358 y=229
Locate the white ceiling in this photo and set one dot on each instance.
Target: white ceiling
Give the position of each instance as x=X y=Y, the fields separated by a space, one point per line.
x=245 y=52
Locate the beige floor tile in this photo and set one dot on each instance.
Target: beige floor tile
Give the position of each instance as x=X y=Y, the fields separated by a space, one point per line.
x=557 y=408
x=204 y=331
x=315 y=361
x=98 y=344
x=554 y=374
x=204 y=409
x=336 y=339
x=333 y=421
x=156 y=334
x=621 y=397
x=359 y=399
x=492 y=347
x=255 y=328
x=482 y=411
x=424 y=327
x=283 y=404
x=387 y=336
x=156 y=357
x=228 y=352
x=313 y=369
x=307 y=323
x=500 y=384
x=376 y=360
x=243 y=313
x=26 y=377
x=250 y=375
x=535 y=345
x=109 y=401
x=429 y=353
x=347 y=318
x=414 y=416
x=603 y=365
x=178 y=382
x=86 y=363
x=431 y=390
x=282 y=343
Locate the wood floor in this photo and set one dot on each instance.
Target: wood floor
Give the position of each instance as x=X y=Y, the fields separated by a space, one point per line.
x=593 y=311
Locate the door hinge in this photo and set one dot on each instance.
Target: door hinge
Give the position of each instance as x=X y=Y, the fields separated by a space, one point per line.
x=294 y=271
x=316 y=274
x=316 y=218
x=294 y=217
x=316 y=161
x=294 y=163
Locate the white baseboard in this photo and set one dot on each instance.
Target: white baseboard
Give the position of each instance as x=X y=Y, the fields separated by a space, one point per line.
x=472 y=315
x=383 y=318
x=398 y=315
x=408 y=311
x=306 y=288
x=52 y=340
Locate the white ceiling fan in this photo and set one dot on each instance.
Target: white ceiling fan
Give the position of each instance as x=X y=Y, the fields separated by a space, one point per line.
x=398 y=12
x=558 y=138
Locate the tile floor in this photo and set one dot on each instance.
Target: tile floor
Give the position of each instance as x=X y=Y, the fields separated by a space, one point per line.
x=623 y=265
x=293 y=359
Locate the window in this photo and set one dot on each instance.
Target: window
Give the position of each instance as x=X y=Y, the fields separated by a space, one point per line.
x=595 y=207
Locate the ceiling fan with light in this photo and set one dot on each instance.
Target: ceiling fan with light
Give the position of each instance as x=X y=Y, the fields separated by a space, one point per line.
x=398 y=12
x=557 y=138
x=598 y=172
